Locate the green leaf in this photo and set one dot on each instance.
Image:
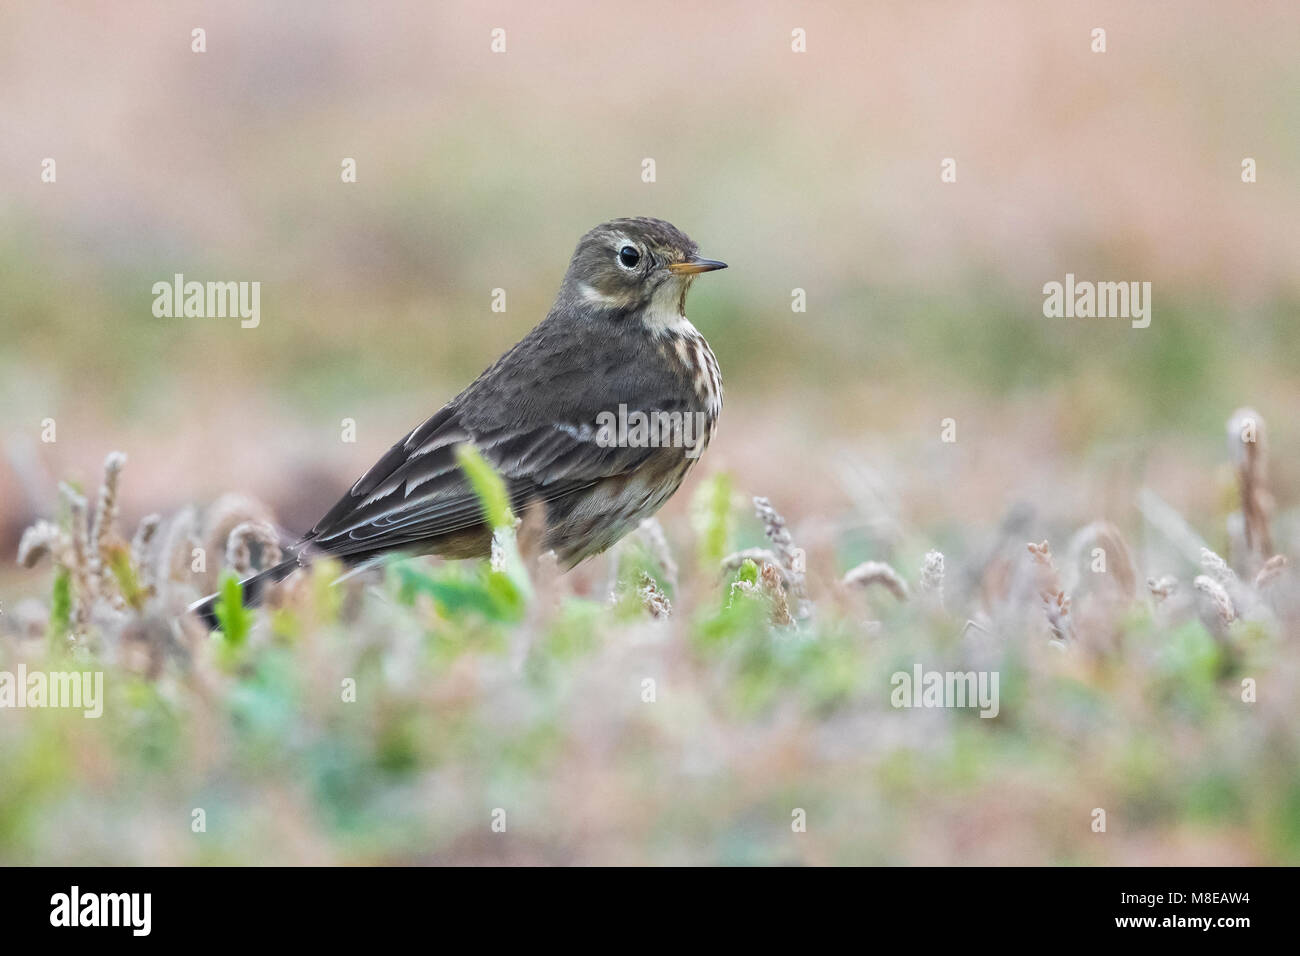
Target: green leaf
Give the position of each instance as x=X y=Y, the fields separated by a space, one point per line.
x=61 y=606
x=119 y=562
x=488 y=593
x=487 y=484
x=507 y=584
x=235 y=619
x=508 y=597
x=711 y=515
x=327 y=596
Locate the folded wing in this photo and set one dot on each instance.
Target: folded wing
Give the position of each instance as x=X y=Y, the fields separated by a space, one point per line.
x=417 y=492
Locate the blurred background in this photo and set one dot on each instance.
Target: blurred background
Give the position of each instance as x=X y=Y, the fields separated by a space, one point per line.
x=817 y=171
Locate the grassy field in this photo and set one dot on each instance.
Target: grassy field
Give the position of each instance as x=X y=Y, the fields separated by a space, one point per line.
x=701 y=705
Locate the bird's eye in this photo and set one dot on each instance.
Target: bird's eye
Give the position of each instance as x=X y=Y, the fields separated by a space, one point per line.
x=628 y=257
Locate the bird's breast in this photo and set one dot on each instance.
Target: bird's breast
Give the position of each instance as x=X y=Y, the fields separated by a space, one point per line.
x=696 y=367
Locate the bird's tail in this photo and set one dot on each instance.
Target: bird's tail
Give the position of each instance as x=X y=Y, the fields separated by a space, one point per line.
x=254 y=590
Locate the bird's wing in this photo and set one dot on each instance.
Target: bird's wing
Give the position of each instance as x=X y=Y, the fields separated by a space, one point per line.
x=418 y=492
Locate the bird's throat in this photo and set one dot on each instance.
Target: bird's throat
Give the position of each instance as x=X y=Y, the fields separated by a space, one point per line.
x=665 y=313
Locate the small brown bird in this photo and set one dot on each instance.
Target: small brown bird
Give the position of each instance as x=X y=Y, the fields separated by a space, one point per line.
x=597 y=413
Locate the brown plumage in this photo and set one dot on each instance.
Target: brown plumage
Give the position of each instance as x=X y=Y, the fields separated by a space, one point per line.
x=616 y=342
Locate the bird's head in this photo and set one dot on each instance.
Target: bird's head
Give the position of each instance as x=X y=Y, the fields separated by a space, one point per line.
x=641 y=267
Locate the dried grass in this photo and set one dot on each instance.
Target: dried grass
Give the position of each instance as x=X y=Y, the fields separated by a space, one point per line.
x=238 y=552
x=1271 y=572
x=104 y=520
x=1162 y=589
x=140 y=547
x=760 y=556
x=43 y=539
x=791 y=559
x=1248 y=451
x=169 y=571
x=1056 y=602
x=653 y=598
x=870 y=573
x=1214 y=605
x=652 y=533
x=774 y=587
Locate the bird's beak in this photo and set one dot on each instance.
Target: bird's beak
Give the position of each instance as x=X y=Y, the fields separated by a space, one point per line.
x=695 y=264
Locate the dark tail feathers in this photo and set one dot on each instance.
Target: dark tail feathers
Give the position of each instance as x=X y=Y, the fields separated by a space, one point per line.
x=254 y=590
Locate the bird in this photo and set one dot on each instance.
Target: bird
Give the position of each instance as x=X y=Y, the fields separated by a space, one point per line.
x=616 y=344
